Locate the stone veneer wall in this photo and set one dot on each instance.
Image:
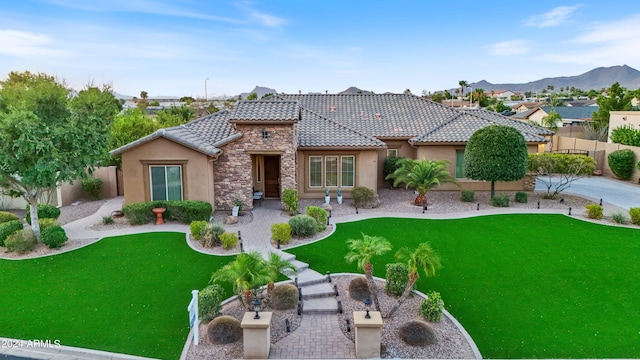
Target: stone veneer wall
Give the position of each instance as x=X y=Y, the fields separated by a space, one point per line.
x=232 y=172
x=530 y=181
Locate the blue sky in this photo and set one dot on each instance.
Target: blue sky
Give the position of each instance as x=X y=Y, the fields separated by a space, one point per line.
x=169 y=47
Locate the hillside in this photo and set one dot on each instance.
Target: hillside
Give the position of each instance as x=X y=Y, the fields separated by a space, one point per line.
x=598 y=78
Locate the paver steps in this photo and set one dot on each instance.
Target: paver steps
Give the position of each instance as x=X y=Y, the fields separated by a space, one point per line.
x=317 y=293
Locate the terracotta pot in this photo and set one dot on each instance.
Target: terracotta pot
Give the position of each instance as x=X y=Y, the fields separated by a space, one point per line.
x=159 y=212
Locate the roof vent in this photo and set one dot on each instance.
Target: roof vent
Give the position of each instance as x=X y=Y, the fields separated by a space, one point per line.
x=299 y=92
x=326 y=92
x=378 y=116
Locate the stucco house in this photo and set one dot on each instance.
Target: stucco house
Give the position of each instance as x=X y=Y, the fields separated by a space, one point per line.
x=571 y=115
x=305 y=142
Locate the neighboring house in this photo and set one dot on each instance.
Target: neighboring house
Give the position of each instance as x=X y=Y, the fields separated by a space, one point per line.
x=305 y=142
x=501 y=94
x=623 y=118
x=571 y=116
x=578 y=103
x=526 y=105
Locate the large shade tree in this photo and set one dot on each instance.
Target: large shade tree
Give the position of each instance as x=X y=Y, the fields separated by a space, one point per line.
x=496 y=153
x=46 y=138
x=422 y=175
x=361 y=252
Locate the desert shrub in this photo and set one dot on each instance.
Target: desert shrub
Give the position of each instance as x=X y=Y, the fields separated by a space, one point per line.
x=594 y=211
x=500 y=201
x=284 y=297
x=209 y=302
x=397 y=278
x=359 y=288
x=302 y=225
x=522 y=197
x=8 y=228
x=282 y=232
x=92 y=186
x=634 y=213
x=619 y=218
x=224 y=330
x=107 y=220
x=45 y=211
x=197 y=229
x=21 y=241
x=363 y=197
x=621 y=163
x=320 y=216
x=431 y=307
x=184 y=211
x=47 y=223
x=229 y=240
x=626 y=135
x=53 y=237
x=390 y=165
x=290 y=200
x=211 y=235
x=467 y=195
x=6 y=216
x=417 y=333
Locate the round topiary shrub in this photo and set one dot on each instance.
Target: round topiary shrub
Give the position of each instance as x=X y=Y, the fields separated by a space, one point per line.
x=284 y=297
x=417 y=333
x=6 y=216
x=224 y=330
x=621 y=163
x=53 y=237
x=303 y=226
x=359 y=288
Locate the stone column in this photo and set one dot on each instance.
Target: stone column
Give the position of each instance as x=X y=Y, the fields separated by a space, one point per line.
x=256 y=335
x=367 y=334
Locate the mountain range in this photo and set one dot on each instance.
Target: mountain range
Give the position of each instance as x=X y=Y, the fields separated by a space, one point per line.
x=598 y=78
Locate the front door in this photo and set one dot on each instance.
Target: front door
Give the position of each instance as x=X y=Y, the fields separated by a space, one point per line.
x=272 y=176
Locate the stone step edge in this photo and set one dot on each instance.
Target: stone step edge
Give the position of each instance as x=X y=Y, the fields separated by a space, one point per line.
x=312 y=282
x=318 y=295
x=319 y=312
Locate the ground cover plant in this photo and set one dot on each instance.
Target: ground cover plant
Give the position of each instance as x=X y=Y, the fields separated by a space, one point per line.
x=125 y=294
x=519 y=288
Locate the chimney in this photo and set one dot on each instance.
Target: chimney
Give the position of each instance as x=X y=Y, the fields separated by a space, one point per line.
x=326 y=92
x=299 y=92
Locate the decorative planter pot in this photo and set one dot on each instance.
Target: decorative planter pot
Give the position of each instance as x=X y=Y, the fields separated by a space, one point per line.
x=327 y=199
x=159 y=212
x=339 y=199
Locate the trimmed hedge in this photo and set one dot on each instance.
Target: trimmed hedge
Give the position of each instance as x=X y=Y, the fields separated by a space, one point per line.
x=92 y=186
x=197 y=229
x=319 y=214
x=282 y=232
x=634 y=213
x=522 y=197
x=467 y=195
x=500 y=201
x=621 y=163
x=397 y=278
x=303 y=226
x=9 y=228
x=6 y=216
x=45 y=211
x=594 y=211
x=184 y=211
x=22 y=241
x=53 y=237
x=229 y=240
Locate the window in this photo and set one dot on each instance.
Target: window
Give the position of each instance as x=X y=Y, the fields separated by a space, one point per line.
x=332 y=171
x=166 y=182
x=347 y=177
x=315 y=171
x=392 y=152
x=460 y=164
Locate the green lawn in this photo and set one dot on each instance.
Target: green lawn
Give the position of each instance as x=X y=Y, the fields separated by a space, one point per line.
x=126 y=294
x=523 y=286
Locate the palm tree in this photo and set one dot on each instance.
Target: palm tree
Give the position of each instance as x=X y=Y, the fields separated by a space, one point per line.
x=361 y=251
x=425 y=258
x=247 y=273
x=463 y=84
x=276 y=265
x=423 y=175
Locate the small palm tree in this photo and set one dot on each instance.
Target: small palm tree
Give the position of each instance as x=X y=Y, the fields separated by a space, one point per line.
x=276 y=265
x=247 y=273
x=361 y=251
x=423 y=175
x=425 y=258
x=463 y=84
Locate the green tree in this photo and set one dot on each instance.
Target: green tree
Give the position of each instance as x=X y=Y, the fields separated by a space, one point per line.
x=362 y=251
x=551 y=120
x=252 y=96
x=423 y=258
x=500 y=107
x=143 y=102
x=247 y=273
x=187 y=100
x=174 y=116
x=129 y=126
x=44 y=140
x=567 y=168
x=463 y=84
x=496 y=153
x=616 y=99
x=422 y=175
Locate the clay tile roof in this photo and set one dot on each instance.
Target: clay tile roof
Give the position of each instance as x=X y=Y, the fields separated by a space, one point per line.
x=317 y=131
x=266 y=111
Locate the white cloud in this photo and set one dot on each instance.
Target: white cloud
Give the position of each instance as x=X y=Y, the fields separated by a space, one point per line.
x=268 y=20
x=507 y=48
x=603 y=44
x=24 y=44
x=557 y=16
